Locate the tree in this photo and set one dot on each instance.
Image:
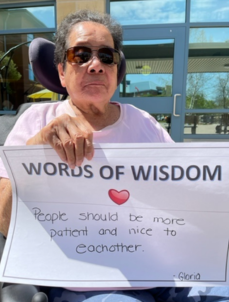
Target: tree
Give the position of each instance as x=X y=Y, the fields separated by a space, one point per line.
x=200 y=102
x=8 y=76
x=223 y=90
x=13 y=74
x=195 y=82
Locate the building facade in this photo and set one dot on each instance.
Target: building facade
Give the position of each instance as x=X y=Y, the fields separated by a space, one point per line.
x=177 y=55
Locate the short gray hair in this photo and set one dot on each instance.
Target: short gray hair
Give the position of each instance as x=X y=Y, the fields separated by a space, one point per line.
x=70 y=20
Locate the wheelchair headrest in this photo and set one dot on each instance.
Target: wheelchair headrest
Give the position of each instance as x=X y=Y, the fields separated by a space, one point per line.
x=41 y=57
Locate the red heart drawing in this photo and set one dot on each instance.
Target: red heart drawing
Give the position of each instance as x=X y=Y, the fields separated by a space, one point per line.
x=119 y=197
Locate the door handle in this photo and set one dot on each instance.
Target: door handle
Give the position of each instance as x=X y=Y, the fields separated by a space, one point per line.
x=175 y=103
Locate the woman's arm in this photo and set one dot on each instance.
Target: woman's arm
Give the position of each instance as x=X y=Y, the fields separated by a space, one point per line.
x=5 y=205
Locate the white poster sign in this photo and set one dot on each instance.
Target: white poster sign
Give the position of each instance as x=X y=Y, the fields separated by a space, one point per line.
x=137 y=215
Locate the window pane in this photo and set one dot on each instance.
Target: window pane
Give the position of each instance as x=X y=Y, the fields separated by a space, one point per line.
x=19 y=82
x=29 y=17
x=148 y=12
x=208 y=69
x=149 y=68
x=208 y=123
x=209 y=11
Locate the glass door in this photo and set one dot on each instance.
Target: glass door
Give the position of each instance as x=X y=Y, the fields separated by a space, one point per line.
x=154 y=77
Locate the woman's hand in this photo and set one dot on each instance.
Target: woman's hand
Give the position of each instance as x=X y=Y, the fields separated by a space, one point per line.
x=71 y=137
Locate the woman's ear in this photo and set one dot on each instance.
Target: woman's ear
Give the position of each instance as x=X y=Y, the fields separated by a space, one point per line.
x=61 y=73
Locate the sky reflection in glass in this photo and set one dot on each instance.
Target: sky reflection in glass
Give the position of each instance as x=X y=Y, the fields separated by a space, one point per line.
x=148 y=12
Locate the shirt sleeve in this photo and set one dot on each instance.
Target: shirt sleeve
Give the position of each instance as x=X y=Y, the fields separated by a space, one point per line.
x=27 y=125
x=161 y=135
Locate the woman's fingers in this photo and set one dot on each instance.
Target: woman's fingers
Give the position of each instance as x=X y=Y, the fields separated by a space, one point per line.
x=70 y=137
x=55 y=142
x=88 y=147
x=82 y=139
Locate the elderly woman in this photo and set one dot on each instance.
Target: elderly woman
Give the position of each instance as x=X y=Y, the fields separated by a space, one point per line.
x=87 y=56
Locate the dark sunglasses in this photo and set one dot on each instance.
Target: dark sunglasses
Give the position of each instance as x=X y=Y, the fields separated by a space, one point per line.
x=83 y=54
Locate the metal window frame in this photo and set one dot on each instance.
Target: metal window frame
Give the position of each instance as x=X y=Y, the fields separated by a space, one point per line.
x=30 y=30
x=188 y=25
x=26 y=4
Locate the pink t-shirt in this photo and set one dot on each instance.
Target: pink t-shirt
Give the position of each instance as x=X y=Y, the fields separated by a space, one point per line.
x=133 y=126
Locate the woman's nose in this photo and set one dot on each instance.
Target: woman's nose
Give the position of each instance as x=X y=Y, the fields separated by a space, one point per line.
x=95 y=66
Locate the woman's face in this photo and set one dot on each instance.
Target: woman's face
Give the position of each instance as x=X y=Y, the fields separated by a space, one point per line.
x=93 y=83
